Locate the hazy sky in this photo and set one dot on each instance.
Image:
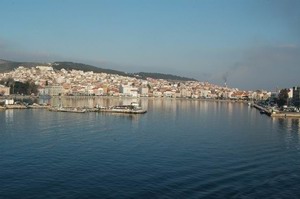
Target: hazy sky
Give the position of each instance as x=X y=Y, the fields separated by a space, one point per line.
x=254 y=44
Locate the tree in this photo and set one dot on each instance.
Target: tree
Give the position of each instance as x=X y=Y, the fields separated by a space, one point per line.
x=283 y=97
x=31 y=87
x=26 y=88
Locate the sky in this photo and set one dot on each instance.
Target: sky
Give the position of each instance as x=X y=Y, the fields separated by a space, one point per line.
x=251 y=44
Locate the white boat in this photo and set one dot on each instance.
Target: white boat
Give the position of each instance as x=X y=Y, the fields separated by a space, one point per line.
x=133 y=108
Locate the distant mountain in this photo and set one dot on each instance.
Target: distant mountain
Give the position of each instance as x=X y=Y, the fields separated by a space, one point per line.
x=6 y=66
x=85 y=67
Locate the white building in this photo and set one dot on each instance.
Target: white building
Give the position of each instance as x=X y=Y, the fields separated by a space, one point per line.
x=205 y=93
x=290 y=93
x=144 y=91
x=99 y=91
x=53 y=90
x=157 y=94
x=9 y=101
x=45 y=68
x=129 y=91
x=169 y=94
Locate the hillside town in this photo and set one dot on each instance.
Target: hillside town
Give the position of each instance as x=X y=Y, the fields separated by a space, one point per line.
x=51 y=82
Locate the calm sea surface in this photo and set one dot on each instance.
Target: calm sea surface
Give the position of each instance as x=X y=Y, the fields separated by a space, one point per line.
x=178 y=149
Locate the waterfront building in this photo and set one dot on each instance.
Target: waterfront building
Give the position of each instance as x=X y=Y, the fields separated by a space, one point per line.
x=129 y=91
x=157 y=94
x=144 y=91
x=41 y=91
x=296 y=96
x=195 y=96
x=290 y=93
x=54 y=90
x=226 y=94
x=240 y=95
x=98 y=91
x=169 y=94
x=9 y=101
x=4 y=90
x=205 y=93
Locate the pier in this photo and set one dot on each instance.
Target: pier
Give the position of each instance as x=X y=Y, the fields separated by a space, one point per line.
x=262 y=109
x=271 y=113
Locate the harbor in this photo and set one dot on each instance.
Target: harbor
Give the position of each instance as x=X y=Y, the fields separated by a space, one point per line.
x=132 y=108
x=95 y=143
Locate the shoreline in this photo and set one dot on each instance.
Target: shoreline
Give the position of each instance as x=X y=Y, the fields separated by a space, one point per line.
x=119 y=97
x=263 y=110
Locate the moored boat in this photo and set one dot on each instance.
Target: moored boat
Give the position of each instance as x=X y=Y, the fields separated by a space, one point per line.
x=133 y=108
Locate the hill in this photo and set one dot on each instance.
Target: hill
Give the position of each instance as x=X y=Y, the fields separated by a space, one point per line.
x=6 y=66
x=85 y=68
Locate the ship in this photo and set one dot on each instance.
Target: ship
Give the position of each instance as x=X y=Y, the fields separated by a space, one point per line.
x=133 y=108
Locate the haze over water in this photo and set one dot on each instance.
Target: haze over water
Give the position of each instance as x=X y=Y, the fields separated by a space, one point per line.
x=178 y=149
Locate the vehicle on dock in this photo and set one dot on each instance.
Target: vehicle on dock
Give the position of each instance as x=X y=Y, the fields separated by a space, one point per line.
x=262 y=112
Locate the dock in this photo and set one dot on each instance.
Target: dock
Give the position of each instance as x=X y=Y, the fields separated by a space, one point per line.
x=271 y=113
x=286 y=114
x=262 y=109
x=38 y=107
x=15 y=106
x=69 y=110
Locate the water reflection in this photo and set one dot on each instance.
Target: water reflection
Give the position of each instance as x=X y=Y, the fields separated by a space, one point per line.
x=9 y=116
x=172 y=108
x=290 y=130
x=91 y=102
x=290 y=124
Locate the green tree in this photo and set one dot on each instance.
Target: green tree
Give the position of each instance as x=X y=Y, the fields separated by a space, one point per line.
x=283 y=97
x=30 y=88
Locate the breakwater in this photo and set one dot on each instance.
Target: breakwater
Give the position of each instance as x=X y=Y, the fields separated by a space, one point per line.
x=270 y=112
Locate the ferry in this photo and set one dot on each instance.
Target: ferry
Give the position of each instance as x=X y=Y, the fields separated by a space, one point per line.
x=133 y=108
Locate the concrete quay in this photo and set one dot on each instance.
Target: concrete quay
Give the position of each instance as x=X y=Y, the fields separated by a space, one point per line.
x=271 y=113
x=16 y=106
x=286 y=114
